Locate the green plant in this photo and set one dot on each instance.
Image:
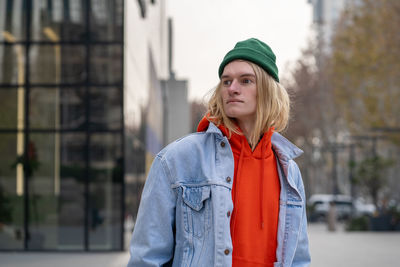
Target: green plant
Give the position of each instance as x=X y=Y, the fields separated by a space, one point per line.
x=5 y=208
x=358 y=224
x=371 y=174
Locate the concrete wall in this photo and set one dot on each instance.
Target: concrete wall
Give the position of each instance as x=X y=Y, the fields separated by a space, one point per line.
x=176 y=110
x=143 y=37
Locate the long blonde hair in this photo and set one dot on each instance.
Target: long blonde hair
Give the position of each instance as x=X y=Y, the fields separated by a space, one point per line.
x=273 y=107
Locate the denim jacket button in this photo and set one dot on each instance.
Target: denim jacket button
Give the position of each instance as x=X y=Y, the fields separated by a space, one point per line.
x=228 y=179
x=228 y=214
x=222 y=144
x=226 y=251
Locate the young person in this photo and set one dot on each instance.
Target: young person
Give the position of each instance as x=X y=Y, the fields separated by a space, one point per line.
x=230 y=194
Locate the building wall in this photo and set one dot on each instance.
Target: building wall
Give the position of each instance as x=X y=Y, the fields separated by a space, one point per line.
x=145 y=53
x=145 y=61
x=326 y=13
x=81 y=118
x=61 y=125
x=176 y=110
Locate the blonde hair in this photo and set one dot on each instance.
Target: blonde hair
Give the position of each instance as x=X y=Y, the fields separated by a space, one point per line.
x=273 y=107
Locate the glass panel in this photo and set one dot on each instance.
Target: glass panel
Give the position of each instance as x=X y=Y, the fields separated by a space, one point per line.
x=8 y=107
x=72 y=197
x=43 y=108
x=12 y=64
x=105 y=192
x=106 y=20
x=106 y=64
x=105 y=108
x=55 y=64
x=69 y=113
x=12 y=20
x=56 y=191
x=55 y=20
x=11 y=194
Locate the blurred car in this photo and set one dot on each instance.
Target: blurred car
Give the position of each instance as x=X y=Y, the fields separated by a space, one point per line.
x=319 y=204
x=362 y=208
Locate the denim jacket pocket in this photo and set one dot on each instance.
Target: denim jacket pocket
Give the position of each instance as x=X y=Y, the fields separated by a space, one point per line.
x=294 y=203
x=196 y=209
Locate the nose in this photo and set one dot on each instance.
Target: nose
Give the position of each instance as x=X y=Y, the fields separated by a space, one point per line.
x=234 y=87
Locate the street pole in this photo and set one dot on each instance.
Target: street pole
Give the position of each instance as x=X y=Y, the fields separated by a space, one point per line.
x=334 y=149
x=332 y=213
x=352 y=161
x=335 y=185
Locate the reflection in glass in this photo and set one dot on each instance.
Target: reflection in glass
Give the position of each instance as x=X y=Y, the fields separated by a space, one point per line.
x=106 y=20
x=105 y=108
x=12 y=19
x=50 y=64
x=43 y=108
x=71 y=198
x=105 y=192
x=52 y=202
x=73 y=112
x=11 y=204
x=106 y=64
x=64 y=17
x=8 y=108
x=12 y=116
x=12 y=60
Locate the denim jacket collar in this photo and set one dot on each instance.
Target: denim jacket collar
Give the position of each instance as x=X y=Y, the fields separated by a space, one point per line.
x=284 y=148
x=212 y=128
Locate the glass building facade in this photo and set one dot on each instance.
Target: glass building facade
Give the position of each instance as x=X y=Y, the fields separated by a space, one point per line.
x=61 y=125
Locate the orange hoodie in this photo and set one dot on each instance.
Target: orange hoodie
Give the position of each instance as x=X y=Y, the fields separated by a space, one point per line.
x=255 y=195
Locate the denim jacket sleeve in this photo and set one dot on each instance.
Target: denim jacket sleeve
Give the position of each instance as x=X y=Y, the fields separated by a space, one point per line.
x=302 y=255
x=152 y=241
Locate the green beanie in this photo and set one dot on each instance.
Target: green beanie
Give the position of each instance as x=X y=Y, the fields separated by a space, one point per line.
x=254 y=51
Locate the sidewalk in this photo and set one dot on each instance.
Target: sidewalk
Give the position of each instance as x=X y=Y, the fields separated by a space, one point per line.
x=66 y=259
x=328 y=249
x=353 y=249
x=63 y=259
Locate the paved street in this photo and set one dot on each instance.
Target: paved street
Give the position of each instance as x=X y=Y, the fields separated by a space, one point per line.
x=57 y=259
x=353 y=249
x=65 y=259
x=337 y=249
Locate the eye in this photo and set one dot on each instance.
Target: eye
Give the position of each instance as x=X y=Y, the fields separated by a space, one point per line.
x=246 y=81
x=226 y=82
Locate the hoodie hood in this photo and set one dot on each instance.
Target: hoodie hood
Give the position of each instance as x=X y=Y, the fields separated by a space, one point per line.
x=284 y=149
x=239 y=142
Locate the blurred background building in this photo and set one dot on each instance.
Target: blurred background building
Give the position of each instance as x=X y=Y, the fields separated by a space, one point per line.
x=85 y=88
x=326 y=14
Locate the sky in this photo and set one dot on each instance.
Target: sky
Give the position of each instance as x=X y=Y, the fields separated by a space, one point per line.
x=205 y=30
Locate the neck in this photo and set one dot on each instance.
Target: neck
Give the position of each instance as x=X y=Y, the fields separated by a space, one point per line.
x=247 y=128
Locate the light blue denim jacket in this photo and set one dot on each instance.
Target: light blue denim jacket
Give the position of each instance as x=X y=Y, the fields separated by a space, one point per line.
x=183 y=215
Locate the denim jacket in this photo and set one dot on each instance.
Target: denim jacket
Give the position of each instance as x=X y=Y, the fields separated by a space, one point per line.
x=183 y=218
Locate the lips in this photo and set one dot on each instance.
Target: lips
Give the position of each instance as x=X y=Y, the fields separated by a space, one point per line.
x=234 y=101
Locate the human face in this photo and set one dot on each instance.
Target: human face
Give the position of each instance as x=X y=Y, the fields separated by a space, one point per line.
x=239 y=91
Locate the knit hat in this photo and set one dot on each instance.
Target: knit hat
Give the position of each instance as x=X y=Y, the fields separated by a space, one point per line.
x=255 y=51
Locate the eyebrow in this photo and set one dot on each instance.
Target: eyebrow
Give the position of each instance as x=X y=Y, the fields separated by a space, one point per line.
x=242 y=75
